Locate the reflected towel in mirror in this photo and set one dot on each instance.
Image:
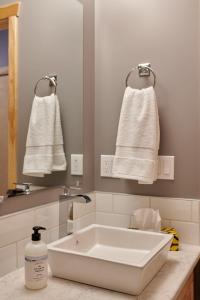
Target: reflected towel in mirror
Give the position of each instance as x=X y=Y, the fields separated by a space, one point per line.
x=44 y=145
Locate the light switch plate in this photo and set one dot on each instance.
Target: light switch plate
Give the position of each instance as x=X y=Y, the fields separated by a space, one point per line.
x=77 y=164
x=106 y=165
x=166 y=167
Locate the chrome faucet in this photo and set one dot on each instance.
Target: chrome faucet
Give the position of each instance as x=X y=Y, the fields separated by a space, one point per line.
x=26 y=190
x=67 y=195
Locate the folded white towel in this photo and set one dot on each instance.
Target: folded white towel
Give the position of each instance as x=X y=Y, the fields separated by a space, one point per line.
x=138 y=137
x=44 y=145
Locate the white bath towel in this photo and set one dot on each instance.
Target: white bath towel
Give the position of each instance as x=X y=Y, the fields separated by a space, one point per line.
x=138 y=137
x=44 y=145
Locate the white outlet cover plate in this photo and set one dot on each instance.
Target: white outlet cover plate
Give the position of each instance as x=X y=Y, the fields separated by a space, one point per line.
x=77 y=164
x=106 y=165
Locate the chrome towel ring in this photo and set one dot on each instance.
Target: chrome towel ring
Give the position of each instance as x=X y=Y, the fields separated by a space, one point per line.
x=144 y=70
x=52 y=82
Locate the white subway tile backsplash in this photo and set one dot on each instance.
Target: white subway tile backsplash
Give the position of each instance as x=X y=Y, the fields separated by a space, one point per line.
x=21 y=252
x=16 y=230
x=126 y=204
x=64 y=211
x=166 y=223
x=104 y=202
x=195 y=211
x=188 y=232
x=16 y=227
x=82 y=209
x=63 y=230
x=8 y=259
x=52 y=235
x=83 y=222
x=47 y=215
x=173 y=209
x=115 y=220
x=106 y=209
x=77 y=224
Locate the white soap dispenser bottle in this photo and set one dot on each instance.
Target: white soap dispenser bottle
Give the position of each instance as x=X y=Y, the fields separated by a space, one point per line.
x=36 y=257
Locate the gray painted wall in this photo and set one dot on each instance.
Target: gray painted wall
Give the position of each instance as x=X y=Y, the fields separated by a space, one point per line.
x=164 y=33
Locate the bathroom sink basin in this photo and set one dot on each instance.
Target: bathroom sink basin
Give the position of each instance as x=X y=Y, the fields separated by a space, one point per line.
x=119 y=259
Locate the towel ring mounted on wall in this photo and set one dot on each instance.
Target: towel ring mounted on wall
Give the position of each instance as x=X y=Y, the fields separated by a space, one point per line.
x=144 y=70
x=53 y=82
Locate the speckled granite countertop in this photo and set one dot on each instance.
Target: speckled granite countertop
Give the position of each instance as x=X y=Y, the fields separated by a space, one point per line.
x=165 y=285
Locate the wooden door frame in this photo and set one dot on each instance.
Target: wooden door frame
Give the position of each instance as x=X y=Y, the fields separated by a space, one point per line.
x=9 y=20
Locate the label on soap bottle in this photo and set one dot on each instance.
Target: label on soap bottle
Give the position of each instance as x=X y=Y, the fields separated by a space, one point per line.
x=36 y=268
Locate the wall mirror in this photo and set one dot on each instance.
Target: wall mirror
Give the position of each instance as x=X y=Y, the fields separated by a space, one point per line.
x=49 y=41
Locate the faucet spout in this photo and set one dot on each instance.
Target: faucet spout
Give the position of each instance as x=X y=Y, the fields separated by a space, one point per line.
x=73 y=197
x=86 y=197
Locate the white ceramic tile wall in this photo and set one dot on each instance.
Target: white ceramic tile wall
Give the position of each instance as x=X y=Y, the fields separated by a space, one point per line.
x=77 y=224
x=117 y=209
x=126 y=204
x=115 y=220
x=173 y=209
x=82 y=209
x=106 y=208
x=104 y=202
x=8 y=259
x=47 y=215
x=183 y=214
x=16 y=229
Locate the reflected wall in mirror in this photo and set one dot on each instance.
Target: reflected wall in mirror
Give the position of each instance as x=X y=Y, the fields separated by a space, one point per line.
x=50 y=42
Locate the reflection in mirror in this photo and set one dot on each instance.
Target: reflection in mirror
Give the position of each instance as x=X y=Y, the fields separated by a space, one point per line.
x=52 y=45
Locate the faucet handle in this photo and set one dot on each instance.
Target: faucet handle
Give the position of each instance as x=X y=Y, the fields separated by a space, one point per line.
x=67 y=190
x=76 y=187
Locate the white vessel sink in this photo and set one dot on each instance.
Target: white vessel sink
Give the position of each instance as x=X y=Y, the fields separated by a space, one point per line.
x=119 y=259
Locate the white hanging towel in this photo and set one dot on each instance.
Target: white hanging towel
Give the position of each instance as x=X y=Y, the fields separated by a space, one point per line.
x=138 y=137
x=44 y=145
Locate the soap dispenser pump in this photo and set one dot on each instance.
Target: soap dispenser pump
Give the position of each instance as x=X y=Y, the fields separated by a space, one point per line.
x=36 y=257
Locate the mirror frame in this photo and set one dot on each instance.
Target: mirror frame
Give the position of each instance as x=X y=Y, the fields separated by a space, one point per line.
x=9 y=20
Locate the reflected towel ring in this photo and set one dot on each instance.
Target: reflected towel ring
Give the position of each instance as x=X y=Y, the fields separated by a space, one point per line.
x=144 y=70
x=52 y=82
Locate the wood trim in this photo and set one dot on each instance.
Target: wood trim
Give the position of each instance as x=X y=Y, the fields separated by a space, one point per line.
x=10 y=10
x=12 y=103
x=187 y=292
x=3 y=24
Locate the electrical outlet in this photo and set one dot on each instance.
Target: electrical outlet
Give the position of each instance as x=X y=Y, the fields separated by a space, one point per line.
x=106 y=165
x=77 y=164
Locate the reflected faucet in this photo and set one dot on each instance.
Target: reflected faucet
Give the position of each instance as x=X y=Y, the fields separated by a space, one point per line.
x=26 y=190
